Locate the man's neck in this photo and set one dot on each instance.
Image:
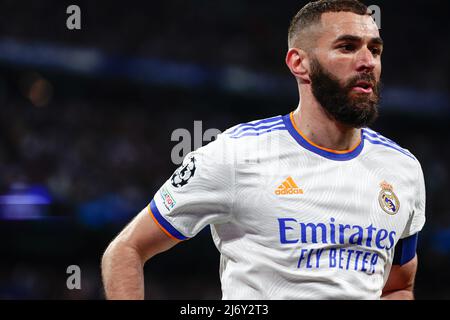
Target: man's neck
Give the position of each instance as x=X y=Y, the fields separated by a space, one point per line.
x=319 y=128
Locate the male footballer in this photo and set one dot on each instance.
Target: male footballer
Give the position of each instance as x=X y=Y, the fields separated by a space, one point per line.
x=308 y=205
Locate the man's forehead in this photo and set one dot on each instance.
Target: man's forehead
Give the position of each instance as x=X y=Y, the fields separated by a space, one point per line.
x=335 y=24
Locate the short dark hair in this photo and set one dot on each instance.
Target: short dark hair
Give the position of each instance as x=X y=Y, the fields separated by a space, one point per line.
x=311 y=14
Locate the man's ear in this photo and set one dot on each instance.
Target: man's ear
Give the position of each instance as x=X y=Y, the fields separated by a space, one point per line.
x=298 y=62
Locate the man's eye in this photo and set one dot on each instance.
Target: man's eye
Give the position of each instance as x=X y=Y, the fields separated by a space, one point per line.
x=376 y=51
x=347 y=47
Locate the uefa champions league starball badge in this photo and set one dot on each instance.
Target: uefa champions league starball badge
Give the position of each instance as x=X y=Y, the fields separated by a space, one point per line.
x=184 y=173
x=387 y=199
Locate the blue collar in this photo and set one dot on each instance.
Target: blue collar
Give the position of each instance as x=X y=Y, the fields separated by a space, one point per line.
x=326 y=153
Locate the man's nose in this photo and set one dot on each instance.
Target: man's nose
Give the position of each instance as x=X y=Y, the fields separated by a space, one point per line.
x=365 y=61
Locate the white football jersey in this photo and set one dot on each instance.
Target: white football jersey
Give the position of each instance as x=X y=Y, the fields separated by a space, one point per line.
x=292 y=220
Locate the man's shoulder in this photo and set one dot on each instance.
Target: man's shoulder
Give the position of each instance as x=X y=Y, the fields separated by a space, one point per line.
x=256 y=128
x=382 y=143
x=247 y=138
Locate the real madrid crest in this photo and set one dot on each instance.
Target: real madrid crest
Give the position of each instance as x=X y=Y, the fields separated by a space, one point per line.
x=387 y=199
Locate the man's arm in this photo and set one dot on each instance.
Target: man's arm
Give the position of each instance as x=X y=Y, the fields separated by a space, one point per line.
x=400 y=283
x=124 y=259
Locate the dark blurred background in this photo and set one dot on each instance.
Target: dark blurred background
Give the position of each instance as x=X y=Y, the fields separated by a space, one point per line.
x=86 y=118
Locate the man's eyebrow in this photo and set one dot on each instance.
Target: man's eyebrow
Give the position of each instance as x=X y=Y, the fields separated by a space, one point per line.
x=377 y=40
x=352 y=38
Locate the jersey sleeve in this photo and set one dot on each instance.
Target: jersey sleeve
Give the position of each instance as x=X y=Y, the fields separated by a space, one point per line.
x=417 y=215
x=200 y=192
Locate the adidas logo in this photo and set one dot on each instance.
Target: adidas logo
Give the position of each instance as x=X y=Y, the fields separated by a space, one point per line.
x=288 y=187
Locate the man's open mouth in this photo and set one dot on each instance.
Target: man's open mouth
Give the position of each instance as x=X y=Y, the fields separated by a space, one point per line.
x=364 y=87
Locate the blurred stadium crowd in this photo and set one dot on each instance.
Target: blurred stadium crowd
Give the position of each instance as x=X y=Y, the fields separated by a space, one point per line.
x=82 y=152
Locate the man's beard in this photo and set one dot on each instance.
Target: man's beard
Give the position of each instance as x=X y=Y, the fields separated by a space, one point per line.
x=355 y=110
